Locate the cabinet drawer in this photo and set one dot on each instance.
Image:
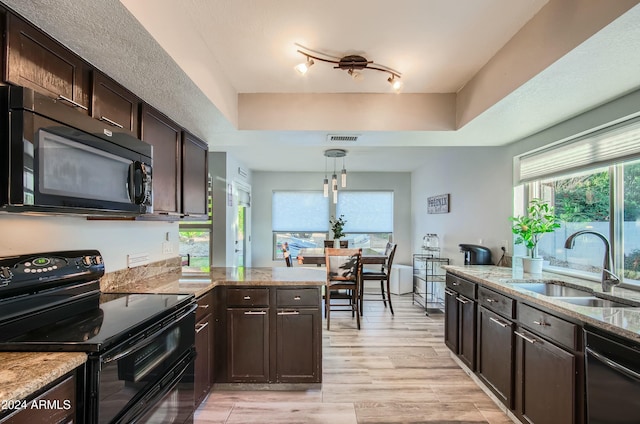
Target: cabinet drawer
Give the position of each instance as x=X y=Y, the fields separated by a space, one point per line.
x=248 y=297
x=548 y=325
x=205 y=305
x=464 y=287
x=298 y=297
x=62 y=395
x=496 y=302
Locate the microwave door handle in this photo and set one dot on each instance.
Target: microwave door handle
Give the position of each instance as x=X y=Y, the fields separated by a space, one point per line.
x=144 y=187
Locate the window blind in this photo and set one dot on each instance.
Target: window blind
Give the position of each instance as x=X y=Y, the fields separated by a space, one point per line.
x=366 y=211
x=300 y=211
x=607 y=146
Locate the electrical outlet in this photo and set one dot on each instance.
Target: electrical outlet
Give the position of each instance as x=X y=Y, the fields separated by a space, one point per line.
x=167 y=247
x=137 y=259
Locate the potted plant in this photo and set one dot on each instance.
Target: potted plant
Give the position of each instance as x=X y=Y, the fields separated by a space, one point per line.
x=540 y=219
x=337 y=227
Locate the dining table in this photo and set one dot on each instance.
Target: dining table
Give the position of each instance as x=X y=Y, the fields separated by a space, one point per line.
x=316 y=256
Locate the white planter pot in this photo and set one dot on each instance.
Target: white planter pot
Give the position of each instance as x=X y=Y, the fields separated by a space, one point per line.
x=532 y=265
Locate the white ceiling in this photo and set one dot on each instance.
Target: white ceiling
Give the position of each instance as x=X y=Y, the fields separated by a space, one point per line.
x=223 y=48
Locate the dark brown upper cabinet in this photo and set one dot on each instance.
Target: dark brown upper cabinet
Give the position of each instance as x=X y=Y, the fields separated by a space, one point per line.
x=37 y=61
x=195 y=177
x=165 y=137
x=114 y=104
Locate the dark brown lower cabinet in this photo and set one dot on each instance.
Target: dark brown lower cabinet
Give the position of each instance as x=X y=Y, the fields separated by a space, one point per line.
x=203 y=363
x=545 y=381
x=298 y=346
x=248 y=345
x=269 y=335
x=62 y=395
x=495 y=354
x=460 y=327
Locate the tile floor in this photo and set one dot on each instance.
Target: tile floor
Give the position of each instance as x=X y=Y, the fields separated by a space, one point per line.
x=396 y=369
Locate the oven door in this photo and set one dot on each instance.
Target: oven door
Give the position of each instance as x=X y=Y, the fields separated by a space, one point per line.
x=129 y=380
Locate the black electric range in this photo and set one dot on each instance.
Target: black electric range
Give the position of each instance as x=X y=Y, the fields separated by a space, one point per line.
x=140 y=347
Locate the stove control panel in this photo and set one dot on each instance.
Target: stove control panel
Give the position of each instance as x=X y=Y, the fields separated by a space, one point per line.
x=28 y=273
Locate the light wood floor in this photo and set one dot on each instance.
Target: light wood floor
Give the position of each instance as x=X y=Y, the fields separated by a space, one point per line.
x=396 y=369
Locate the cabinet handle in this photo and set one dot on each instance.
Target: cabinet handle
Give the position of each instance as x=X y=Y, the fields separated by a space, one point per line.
x=169 y=213
x=200 y=327
x=255 y=313
x=489 y=300
x=110 y=122
x=455 y=284
x=203 y=306
x=289 y=313
x=461 y=300
x=530 y=340
x=542 y=323
x=450 y=292
x=247 y=298
x=500 y=323
x=76 y=104
x=296 y=297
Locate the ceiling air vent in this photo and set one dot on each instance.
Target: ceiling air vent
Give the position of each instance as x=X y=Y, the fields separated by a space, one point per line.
x=338 y=137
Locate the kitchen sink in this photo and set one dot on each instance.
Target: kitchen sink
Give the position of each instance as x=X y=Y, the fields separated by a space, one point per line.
x=553 y=290
x=596 y=302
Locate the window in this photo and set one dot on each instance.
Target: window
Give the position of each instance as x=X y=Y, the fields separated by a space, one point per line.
x=195 y=240
x=301 y=218
x=369 y=216
x=594 y=184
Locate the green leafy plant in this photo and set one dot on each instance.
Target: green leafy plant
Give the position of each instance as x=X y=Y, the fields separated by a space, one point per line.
x=337 y=226
x=540 y=219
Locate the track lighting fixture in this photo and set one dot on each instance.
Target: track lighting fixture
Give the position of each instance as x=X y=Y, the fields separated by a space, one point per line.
x=353 y=64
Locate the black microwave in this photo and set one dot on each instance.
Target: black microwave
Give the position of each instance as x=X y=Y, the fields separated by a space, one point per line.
x=55 y=159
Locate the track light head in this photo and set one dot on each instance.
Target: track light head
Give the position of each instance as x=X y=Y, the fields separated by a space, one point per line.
x=395 y=83
x=302 y=68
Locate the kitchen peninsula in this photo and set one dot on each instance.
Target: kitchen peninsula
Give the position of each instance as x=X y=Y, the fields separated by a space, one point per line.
x=253 y=325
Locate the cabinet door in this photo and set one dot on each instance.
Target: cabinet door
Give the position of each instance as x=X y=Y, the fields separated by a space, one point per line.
x=248 y=345
x=203 y=362
x=451 y=320
x=298 y=343
x=164 y=135
x=62 y=395
x=467 y=331
x=114 y=104
x=37 y=61
x=545 y=381
x=194 y=177
x=495 y=354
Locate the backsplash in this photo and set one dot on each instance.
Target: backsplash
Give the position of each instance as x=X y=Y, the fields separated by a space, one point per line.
x=117 y=280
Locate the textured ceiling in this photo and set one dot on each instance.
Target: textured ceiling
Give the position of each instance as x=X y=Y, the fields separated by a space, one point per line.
x=203 y=53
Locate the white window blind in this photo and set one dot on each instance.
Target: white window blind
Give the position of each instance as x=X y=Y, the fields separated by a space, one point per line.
x=614 y=144
x=366 y=211
x=300 y=211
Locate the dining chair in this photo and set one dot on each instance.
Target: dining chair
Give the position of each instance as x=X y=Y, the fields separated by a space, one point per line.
x=383 y=276
x=344 y=244
x=344 y=268
x=287 y=254
x=328 y=243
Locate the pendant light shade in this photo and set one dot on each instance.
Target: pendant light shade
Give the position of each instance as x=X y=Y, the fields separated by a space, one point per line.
x=325 y=188
x=334 y=153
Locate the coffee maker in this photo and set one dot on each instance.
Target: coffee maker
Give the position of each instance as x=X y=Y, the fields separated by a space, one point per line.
x=475 y=254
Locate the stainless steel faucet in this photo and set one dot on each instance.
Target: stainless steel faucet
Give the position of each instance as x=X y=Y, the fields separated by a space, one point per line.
x=609 y=279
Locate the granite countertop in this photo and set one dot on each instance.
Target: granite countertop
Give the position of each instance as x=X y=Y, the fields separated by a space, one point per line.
x=24 y=373
x=199 y=284
x=624 y=321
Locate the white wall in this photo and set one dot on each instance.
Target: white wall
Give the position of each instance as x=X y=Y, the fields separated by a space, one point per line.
x=23 y=234
x=479 y=183
x=264 y=183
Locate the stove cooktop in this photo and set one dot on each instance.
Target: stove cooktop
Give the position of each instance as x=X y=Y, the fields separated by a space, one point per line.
x=118 y=317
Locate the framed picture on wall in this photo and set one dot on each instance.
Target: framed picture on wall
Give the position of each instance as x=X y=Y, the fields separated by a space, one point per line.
x=438 y=204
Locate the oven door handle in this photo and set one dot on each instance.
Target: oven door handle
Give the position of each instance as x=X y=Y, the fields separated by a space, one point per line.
x=139 y=193
x=620 y=368
x=148 y=339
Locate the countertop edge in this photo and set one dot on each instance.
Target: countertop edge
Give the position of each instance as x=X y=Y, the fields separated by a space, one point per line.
x=489 y=276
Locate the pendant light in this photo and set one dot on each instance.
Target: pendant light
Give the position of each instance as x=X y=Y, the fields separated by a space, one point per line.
x=334 y=153
x=325 y=187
